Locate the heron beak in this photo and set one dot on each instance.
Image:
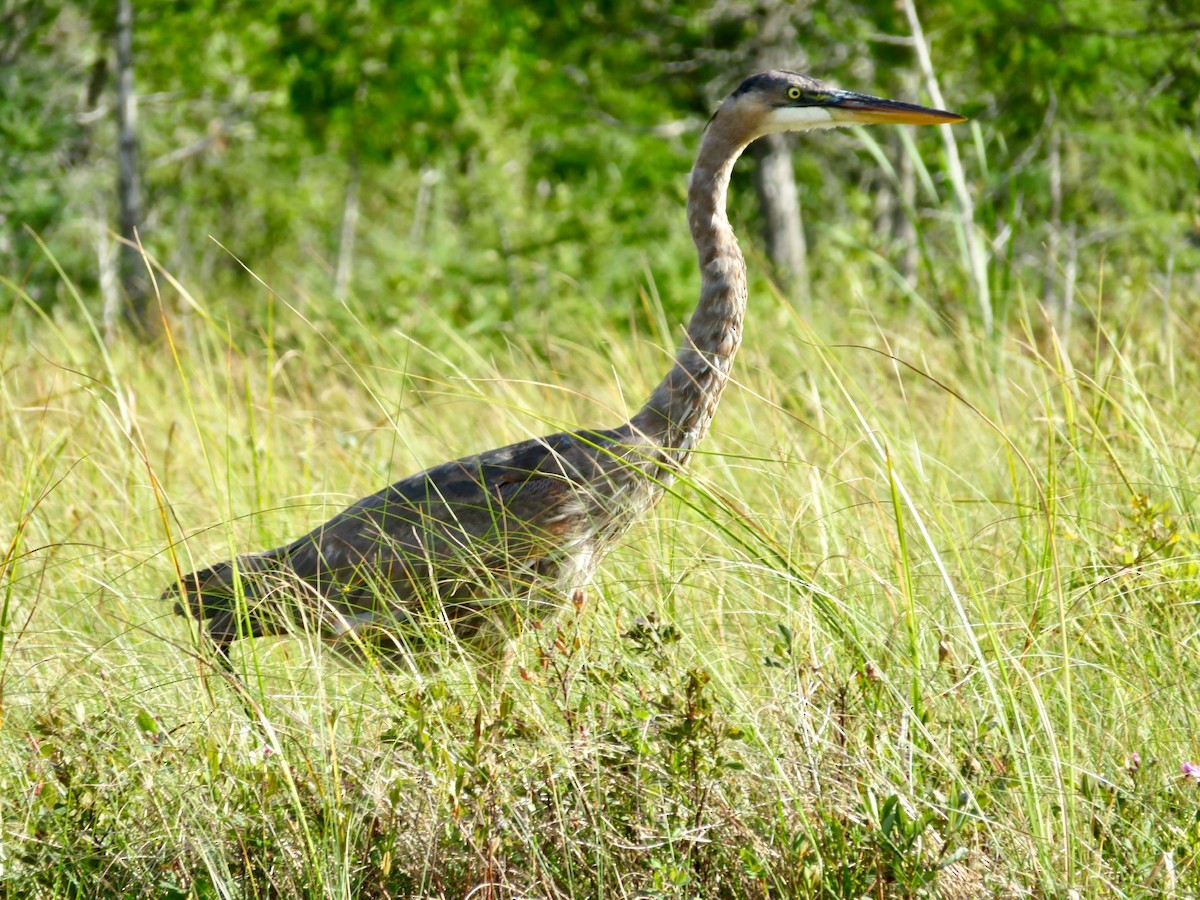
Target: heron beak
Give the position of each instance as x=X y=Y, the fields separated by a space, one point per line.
x=849 y=108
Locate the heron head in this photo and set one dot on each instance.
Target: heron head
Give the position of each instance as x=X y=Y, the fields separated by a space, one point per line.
x=787 y=101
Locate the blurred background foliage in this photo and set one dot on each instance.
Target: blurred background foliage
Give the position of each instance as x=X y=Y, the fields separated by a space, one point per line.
x=492 y=161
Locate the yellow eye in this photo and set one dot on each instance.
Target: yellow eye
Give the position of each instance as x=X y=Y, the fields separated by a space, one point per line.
x=794 y=93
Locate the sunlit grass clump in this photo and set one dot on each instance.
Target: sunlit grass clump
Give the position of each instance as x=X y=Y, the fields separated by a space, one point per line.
x=922 y=617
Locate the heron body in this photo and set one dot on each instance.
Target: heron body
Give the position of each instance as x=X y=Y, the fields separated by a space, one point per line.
x=483 y=542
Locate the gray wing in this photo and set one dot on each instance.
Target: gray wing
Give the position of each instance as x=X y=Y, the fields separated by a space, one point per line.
x=508 y=524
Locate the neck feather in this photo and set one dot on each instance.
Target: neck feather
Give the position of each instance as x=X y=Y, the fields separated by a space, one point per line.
x=679 y=411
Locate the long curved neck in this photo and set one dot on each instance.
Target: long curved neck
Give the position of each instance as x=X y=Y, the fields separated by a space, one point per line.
x=679 y=411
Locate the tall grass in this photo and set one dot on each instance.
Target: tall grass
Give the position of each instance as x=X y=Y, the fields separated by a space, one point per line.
x=921 y=618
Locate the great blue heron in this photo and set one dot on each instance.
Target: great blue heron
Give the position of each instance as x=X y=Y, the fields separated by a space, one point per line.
x=483 y=542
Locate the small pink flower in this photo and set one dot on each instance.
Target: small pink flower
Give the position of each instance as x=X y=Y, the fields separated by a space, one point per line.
x=1192 y=770
x=1133 y=763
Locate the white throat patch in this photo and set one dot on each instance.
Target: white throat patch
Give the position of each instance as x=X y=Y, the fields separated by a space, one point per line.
x=799 y=118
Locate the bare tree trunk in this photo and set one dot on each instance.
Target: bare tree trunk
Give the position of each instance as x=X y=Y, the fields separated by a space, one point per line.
x=1070 y=274
x=345 y=257
x=775 y=181
x=81 y=148
x=774 y=177
x=1054 y=226
x=110 y=291
x=131 y=267
x=416 y=232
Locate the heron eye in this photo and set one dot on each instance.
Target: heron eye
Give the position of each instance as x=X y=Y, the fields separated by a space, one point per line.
x=794 y=93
